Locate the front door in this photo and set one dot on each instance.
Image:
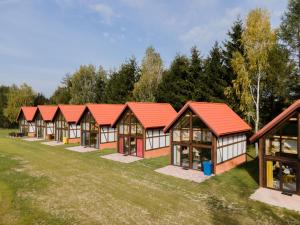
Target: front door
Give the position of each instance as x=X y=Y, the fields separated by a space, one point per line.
x=281 y=176
x=59 y=135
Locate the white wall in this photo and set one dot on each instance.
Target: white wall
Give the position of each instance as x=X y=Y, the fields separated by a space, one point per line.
x=231 y=146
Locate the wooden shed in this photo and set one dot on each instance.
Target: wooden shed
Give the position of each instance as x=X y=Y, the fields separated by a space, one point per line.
x=95 y=122
x=279 y=151
x=205 y=131
x=140 y=129
x=26 y=121
x=65 y=127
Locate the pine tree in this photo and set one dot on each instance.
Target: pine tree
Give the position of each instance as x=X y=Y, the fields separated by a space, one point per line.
x=196 y=80
x=173 y=88
x=121 y=83
x=215 y=75
x=231 y=45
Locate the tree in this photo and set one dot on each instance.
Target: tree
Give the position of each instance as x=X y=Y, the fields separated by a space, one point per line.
x=290 y=28
x=3 y=103
x=278 y=83
x=151 y=72
x=40 y=99
x=83 y=85
x=196 y=79
x=173 y=88
x=120 y=86
x=61 y=95
x=215 y=75
x=231 y=45
x=101 y=80
x=251 y=68
x=17 y=97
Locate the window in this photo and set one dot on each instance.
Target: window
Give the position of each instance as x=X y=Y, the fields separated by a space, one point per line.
x=156 y=138
x=230 y=147
x=108 y=134
x=283 y=142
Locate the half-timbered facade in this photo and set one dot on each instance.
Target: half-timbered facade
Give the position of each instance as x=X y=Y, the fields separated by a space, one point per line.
x=26 y=121
x=44 y=121
x=140 y=129
x=96 y=121
x=279 y=151
x=65 y=127
x=207 y=132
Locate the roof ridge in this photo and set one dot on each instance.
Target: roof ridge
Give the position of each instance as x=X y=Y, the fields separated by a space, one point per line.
x=213 y=103
x=162 y=103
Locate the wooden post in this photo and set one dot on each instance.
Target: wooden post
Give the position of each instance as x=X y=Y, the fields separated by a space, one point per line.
x=214 y=153
x=298 y=145
x=261 y=161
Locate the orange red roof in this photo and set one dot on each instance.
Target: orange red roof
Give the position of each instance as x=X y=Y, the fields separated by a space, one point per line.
x=286 y=113
x=28 y=112
x=71 y=113
x=104 y=114
x=149 y=114
x=47 y=111
x=218 y=117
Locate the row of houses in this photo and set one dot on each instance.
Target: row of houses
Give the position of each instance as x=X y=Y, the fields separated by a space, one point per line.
x=199 y=132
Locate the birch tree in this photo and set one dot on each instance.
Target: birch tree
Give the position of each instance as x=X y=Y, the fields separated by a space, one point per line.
x=151 y=73
x=251 y=68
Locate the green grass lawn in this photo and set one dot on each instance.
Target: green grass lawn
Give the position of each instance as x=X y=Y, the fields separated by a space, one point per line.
x=49 y=185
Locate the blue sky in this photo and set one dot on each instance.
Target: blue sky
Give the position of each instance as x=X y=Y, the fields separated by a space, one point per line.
x=42 y=40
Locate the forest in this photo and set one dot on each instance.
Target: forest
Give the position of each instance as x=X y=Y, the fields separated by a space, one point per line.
x=255 y=70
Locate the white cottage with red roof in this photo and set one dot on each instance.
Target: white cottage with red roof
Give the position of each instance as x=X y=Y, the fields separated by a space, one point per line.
x=65 y=125
x=204 y=131
x=43 y=118
x=96 y=121
x=26 y=122
x=140 y=129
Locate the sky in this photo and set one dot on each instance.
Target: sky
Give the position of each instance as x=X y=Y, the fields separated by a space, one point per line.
x=42 y=40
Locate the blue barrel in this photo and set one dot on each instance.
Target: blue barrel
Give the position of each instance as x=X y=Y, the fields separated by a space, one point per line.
x=207 y=168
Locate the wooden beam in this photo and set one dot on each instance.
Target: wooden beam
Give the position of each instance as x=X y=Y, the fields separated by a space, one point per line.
x=214 y=153
x=261 y=149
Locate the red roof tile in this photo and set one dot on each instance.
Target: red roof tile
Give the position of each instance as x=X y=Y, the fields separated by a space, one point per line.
x=71 y=112
x=47 y=111
x=150 y=114
x=104 y=114
x=291 y=109
x=28 y=111
x=218 y=117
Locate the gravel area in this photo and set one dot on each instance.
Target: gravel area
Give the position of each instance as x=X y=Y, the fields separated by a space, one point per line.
x=176 y=171
x=276 y=198
x=52 y=143
x=121 y=158
x=32 y=139
x=81 y=149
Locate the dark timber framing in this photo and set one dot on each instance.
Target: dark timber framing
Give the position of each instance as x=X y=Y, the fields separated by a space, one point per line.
x=185 y=128
x=193 y=142
x=129 y=130
x=39 y=126
x=61 y=127
x=282 y=157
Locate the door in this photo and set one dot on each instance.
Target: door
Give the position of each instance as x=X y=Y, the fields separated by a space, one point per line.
x=121 y=145
x=185 y=156
x=139 y=146
x=126 y=145
x=133 y=146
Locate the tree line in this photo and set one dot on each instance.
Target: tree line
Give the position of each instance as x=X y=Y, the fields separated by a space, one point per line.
x=255 y=70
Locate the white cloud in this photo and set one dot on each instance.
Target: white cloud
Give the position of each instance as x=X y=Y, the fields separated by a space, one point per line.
x=134 y=3
x=196 y=36
x=106 y=12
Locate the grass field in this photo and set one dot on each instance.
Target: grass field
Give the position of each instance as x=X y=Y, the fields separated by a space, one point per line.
x=49 y=185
